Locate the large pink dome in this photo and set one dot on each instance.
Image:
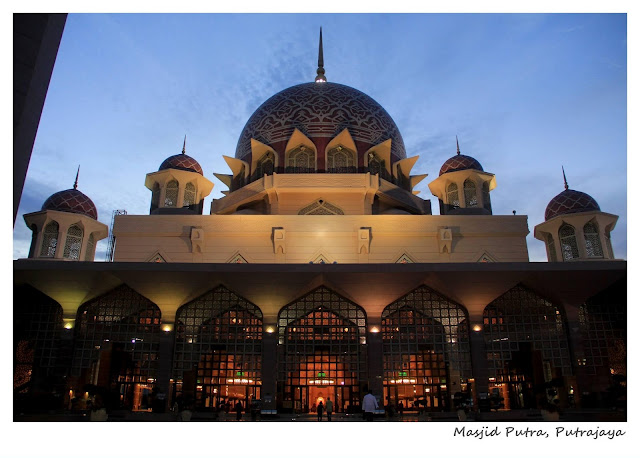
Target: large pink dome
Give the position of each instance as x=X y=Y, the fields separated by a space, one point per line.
x=321 y=111
x=71 y=201
x=570 y=201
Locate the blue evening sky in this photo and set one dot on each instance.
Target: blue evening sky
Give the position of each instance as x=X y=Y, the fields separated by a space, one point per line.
x=525 y=93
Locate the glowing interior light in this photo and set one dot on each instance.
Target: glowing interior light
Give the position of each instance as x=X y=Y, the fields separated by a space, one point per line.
x=375 y=329
x=166 y=328
x=270 y=329
x=477 y=328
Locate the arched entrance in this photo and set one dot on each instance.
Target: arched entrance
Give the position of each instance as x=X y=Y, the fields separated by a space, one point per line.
x=426 y=354
x=527 y=349
x=116 y=348
x=322 y=352
x=218 y=351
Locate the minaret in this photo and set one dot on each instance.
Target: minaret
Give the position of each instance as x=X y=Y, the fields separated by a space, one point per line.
x=320 y=78
x=575 y=229
x=463 y=187
x=66 y=227
x=179 y=186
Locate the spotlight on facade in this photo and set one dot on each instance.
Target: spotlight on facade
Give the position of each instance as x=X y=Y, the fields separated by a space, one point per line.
x=477 y=328
x=270 y=330
x=374 y=329
x=167 y=328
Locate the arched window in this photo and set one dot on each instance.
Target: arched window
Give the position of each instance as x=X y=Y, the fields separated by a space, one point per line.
x=155 y=196
x=607 y=238
x=568 y=242
x=189 y=195
x=485 y=196
x=452 y=195
x=265 y=165
x=73 y=244
x=91 y=244
x=592 y=240
x=470 y=196
x=340 y=160
x=50 y=240
x=171 y=194
x=551 y=246
x=300 y=160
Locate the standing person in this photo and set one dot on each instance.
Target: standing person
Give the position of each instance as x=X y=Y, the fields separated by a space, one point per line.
x=400 y=408
x=369 y=405
x=238 y=409
x=329 y=408
x=319 y=409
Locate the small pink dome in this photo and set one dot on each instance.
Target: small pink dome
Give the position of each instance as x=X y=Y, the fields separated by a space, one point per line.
x=71 y=201
x=570 y=201
x=181 y=162
x=460 y=162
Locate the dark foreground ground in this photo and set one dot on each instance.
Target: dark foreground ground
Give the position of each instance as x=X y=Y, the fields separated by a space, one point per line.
x=569 y=415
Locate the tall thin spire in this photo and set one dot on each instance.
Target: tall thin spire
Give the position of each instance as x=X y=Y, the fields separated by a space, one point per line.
x=566 y=185
x=457 y=145
x=184 y=145
x=320 y=78
x=75 y=185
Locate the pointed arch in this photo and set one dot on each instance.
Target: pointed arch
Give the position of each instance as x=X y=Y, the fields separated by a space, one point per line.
x=425 y=338
x=189 y=195
x=486 y=199
x=218 y=343
x=568 y=242
x=470 y=194
x=91 y=246
x=124 y=324
x=171 y=194
x=73 y=242
x=50 y=240
x=592 y=243
x=322 y=337
x=518 y=325
x=300 y=154
x=453 y=198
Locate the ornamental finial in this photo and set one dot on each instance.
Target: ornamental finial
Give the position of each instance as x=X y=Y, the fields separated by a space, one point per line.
x=566 y=185
x=184 y=145
x=457 y=145
x=75 y=185
x=320 y=78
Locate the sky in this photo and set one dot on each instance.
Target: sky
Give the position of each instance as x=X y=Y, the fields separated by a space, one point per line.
x=525 y=93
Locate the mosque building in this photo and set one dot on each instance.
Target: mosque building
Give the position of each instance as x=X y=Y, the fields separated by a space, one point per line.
x=320 y=273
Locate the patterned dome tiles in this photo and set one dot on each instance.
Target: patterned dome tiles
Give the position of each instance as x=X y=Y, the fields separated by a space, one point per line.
x=321 y=110
x=570 y=201
x=460 y=162
x=71 y=201
x=181 y=162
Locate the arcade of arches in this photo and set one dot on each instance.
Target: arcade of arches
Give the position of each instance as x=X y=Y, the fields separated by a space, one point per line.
x=424 y=354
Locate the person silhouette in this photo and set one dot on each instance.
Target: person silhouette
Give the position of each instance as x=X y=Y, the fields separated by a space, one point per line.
x=329 y=408
x=319 y=409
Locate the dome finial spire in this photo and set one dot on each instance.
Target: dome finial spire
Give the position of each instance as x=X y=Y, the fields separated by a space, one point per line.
x=566 y=185
x=320 y=78
x=457 y=145
x=75 y=185
x=184 y=144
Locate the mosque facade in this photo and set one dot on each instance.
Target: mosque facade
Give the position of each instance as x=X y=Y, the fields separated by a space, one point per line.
x=320 y=273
